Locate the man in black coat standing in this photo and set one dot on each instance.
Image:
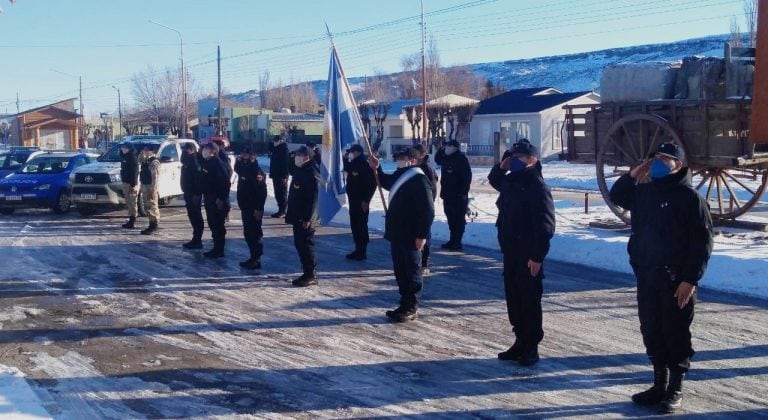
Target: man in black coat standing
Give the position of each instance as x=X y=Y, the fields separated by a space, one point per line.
x=669 y=248
x=429 y=171
x=279 y=171
x=129 y=174
x=407 y=223
x=454 y=190
x=251 y=195
x=525 y=225
x=302 y=213
x=216 y=186
x=191 y=186
x=361 y=185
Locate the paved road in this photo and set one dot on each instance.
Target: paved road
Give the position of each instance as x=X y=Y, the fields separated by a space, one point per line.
x=108 y=324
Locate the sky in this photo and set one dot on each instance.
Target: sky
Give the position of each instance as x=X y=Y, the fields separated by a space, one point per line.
x=46 y=45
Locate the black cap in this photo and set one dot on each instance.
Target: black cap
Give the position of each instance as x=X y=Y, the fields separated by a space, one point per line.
x=453 y=143
x=247 y=150
x=409 y=153
x=670 y=150
x=277 y=138
x=188 y=146
x=523 y=147
x=211 y=145
x=356 y=148
x=305 y=151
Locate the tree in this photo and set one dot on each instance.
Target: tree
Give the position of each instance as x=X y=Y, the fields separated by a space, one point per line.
x=159 y=99
x=264 y=87
x=750 y=15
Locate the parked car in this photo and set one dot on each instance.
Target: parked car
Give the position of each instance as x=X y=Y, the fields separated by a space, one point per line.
x=42 y=182
x=98 y=185
x=13 y=159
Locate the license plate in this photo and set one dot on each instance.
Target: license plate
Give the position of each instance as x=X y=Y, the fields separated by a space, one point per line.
x=88 y=196
x=12 y=198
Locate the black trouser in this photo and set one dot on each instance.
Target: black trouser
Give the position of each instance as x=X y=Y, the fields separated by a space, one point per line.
x=193 y=203
x=252 y=232
x=304 y=241
x=358 y=221
x=281 y=192
x=666 y=329
x=216 y=217
x=425 y=252
x=455 y=212
x=406 y=260
x=523 y=294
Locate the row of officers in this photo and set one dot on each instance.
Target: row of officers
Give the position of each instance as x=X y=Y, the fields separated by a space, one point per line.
x=669 y=248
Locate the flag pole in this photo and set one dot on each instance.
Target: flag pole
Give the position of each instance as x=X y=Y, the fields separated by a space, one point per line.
x=357 y=115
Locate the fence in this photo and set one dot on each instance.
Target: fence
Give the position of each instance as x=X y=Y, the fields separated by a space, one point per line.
x=479 y=150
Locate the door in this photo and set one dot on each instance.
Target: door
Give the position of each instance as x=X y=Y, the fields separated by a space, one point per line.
x=169 y=184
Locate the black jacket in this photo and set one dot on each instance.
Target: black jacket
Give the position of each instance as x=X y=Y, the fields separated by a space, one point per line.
x=251 y=192
x=526 y=220
x=303 y=195
x=411 y=211
x=278 y=161
x=361 y=183
x=191 y=173
x=215 y=181
x=429 y=171
x=456 y=174
x=671 y=224
x=129 y=167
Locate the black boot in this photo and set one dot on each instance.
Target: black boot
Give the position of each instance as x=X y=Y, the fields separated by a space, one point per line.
x=150 y=230
x=214 y=253
x=529 y=356
x=193 y=244
x=654 y=394
x=402 y=314
x=514 y=352
x=253 y=263
x=130 y=224
x=305 y=280
x=673 y=397
x=279 y=213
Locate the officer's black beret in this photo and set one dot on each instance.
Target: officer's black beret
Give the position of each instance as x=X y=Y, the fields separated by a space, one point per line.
x=409 y=153
x=305 y=151
x=453 y=143
x=356 y=148
x=523 y=147
x=670 y=150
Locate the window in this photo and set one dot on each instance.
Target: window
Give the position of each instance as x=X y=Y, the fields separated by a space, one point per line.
x=169 y=154
x=3 y=159
x=396 y=131
x=512 y=131
x=79 y=161
x=557 y=137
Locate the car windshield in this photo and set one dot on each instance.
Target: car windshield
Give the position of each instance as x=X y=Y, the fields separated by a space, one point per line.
x=46 y=165
x=113 y=155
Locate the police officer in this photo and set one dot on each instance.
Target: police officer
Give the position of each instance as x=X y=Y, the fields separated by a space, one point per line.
x=279 y=171
x=149 y=176
x=318 y=153
x=361 y=185
x=216 y=186
x=302 y=213
x=191 y=186
x=407 y=223
x=251 y=195
x=454 y=190
x=429 y=171
x=669 y=248
x=129 y=174
x=525 y=225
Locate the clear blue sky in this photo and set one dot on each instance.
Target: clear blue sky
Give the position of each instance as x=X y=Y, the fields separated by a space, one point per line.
x=106 y=42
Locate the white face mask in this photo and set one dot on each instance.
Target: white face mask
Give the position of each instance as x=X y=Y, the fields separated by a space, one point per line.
x=298 y=161
x=350 y=157
x=403 y=164
x=450 y=150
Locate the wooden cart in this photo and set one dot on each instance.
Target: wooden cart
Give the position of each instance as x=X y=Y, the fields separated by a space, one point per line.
x=729 y=170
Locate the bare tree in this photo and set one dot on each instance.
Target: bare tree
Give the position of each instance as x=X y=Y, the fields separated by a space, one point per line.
x=750 y=15
x=159 y=98
x=735 y=39
x=264 y=87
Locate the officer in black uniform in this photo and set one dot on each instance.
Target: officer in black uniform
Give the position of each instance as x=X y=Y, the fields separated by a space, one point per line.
x=302 y=213
x=251 y=195
x=361 y=185
x=525 y=225
x=669 y=248
x=279 y=170
x=318 y=153
x=129 y=174
x=429 y=171
x=191 y=186
x=216 y=186
x=407 y=223
x=454 y=190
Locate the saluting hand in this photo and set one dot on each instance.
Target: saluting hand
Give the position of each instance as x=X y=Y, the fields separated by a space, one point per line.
x=640 y=172
x=684 y=293
x=535 y=267
x=505 y=163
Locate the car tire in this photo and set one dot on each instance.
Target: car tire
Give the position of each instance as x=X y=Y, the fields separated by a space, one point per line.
x=63 y=203
x=6 y=211
x=86 y=211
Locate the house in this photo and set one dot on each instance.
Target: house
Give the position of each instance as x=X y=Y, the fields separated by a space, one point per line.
x=53 y=126
x=536 y=114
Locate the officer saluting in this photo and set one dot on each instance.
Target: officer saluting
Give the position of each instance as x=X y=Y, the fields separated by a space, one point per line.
x=302 y=213
x=191 y=179
x=279 y=171
x=216 y=185
x=251 y=195
x=456 y=177
x=408 y=221
x=361 y=185
x=429 y=171
x=669 y=249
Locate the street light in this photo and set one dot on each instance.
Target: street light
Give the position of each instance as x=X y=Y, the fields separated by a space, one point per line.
x=80 y=111
x=119 y=110
x=183 y=75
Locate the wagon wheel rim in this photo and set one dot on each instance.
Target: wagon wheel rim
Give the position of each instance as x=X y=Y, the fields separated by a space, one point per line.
x=629 y=141
x=730 y=192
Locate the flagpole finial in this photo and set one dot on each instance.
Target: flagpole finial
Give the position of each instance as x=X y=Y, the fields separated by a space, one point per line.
x=328 y=31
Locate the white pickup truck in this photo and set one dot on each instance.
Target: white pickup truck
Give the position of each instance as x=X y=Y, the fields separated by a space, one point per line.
x=98 y=185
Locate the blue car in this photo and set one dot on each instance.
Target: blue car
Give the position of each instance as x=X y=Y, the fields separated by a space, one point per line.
x=43 y=182
x=13 y=159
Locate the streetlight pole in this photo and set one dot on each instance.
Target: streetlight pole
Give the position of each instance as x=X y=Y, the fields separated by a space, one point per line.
x=119 y=110
x=183 y=75
x=80 y=111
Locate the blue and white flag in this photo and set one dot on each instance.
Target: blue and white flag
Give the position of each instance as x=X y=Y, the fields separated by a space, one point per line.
x=342 y=127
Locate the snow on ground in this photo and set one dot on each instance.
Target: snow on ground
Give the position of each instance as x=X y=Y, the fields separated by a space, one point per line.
x=17 y=400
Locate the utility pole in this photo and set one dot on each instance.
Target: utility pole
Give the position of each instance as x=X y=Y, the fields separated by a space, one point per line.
x=219 y=130
x=18 y=119
x=119 y=110
x=82 y=115
x=423 y=78
x=183 y=76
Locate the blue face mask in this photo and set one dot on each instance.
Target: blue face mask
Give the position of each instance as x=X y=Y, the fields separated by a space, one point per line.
x=659 y=169
x=516 y=165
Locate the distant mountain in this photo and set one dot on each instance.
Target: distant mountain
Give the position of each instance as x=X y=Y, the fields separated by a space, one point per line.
x=568 y=73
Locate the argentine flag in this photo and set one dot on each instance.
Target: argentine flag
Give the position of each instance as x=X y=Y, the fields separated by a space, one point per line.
x=342 y=127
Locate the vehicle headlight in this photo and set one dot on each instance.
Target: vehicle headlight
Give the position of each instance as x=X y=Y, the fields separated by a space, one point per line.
x=71 y=177
x=115 y=178
x=43 y=187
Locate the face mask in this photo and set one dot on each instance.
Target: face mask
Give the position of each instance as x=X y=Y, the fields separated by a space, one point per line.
x=517 y=165
x=450 y=150
x=298 y=161
x=351 y=157
x=402 y=164
x=659 y=169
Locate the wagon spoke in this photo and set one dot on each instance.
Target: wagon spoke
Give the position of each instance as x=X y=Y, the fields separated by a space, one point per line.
x=631 y=142
x=734 y=198
x=709 y=188
x=618 y=146
x=704 y=179
x=739 y=182
x=652 y=144
x=719 y=193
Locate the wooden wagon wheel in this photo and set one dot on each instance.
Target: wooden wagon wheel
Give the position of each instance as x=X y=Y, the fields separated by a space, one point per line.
x=629 y=141
x=730 y=192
